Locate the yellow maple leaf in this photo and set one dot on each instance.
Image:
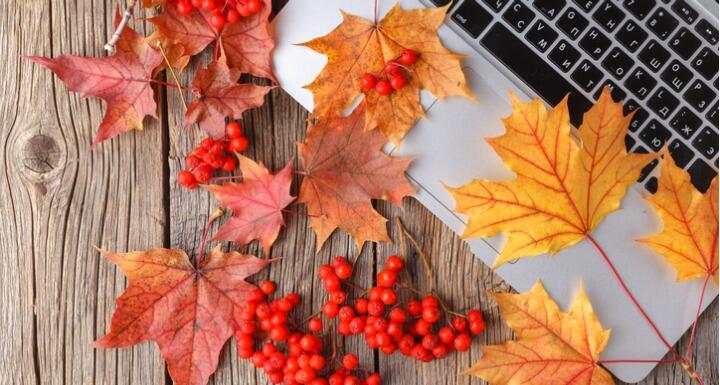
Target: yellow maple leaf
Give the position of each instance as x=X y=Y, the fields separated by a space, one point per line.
x=564 y=187
x=552 y=347
x=689 y=239
x=358 y=46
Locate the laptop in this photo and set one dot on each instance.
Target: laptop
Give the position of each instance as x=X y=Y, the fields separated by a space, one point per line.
x=659 y=57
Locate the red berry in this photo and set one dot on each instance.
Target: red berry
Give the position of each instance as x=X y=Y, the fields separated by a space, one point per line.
x=474 y=314
x=187 y=179
x=208 y=5
x=394 y=263
x=279 y=333
x=330 y=309
x=350 y=361
x=351 y=380
x=233 y=130
x=258 y=359
x=308 y=344
x=217 y=148
x=462 y=342
x=285 y=304
x=361 y=305
x=192 y=161
x=408 y=57
x=368 y=81
x=431 y=314
x=414 y=308
x=279 y=319
x=344 y=328
x=246 y=353
x=406 y=343
x=398 y=315
x=343 y=270
x=460 y=323
x=315 y=324
x=477 y=326
x=429 y=301
x=388 y=297
x=393 y=68
x=446 y=335
x=184 y=8
x=376 y=293
x=397 y=81
x=238 y=144
x=277 y=360
x=332 y=283
x=268 y=287
x=232 y=16
x=217 y=20
x=430 y=341
x=346 y=313
x=440 y=351
x=244 y=341
x=422 y=327
x=383 y=87
x=373 y=379
x=263 y=311
x=203 y=174
x=317 y=362
x=375 y=307
x=276 y=377
x=337 y=296
x=357 y=325
x=230 y=164
x=303 y=376
x=294 y=298
x=253 y=6
x=386 y=278
x=336 y=379
x=395 y=329
x=383 y=339
x=326 y=271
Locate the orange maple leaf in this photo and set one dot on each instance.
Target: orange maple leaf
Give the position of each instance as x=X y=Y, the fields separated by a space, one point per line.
x=689 y=239
x=344 y=169
x=357 y=46
x=563 y=189
x=552 y=347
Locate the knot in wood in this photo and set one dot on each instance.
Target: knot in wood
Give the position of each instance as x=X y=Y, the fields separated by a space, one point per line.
x=41 y=154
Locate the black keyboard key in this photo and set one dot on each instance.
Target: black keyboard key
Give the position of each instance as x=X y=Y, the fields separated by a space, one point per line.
x=707 y=31
x=639 y=8
x=630 y=106
x=440 y=3
x=662 y=23
x=676 y=75
x=595 y=43
x=654 y=135
x=631 y=35
x=706 y=63
x=549 y=8
x=663 y=102
x=616 y=92
x=541 y=35
x=681 y=153
x=472 y=17
x=685 y=11
x=701 y=174
x=496 y=5
x=685 y=123
x=572 y=23
x=609 y=16
x=587 y=76
x=652 y=185
x=699 y=96
x=586 y=4
x=564 y=55
x=647 y=169
x=684 y=43
x=706 y=142
x=713 y=114
x=654 y=55
x=617 y=63
x=534 y=70
x=629 y=142
x=640 y=83
x=518 y=16
x=638 y=119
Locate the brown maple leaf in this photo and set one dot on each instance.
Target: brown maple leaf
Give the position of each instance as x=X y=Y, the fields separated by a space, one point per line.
x=121 y=80
x=220 y=96
x=357 y=46
x=257 y=204
x=246 y=43
x=344 y=169
x=190 y=312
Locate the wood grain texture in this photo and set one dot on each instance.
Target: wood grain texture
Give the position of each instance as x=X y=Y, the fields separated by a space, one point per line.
x=58 y=201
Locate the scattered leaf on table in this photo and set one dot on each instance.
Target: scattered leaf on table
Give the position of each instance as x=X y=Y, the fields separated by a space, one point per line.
x=121 y=80
x=344 y=169
x=257 y=204
x=189 y=312
x=552 y=347
x=358 y=46
x=218 y=95
x=246 y=43
x=562 y=190
x=689 y=239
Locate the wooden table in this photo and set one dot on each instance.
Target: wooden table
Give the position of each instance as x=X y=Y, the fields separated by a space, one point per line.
x=59 y=201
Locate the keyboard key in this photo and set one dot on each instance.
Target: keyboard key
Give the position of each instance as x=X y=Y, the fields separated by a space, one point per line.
x=639 y=8
x=586 y=4
x=713 y=114
x=663 y=102
x=706 y=142
x=647 y=169
x=534 y=70
x=681 y=153
x=640 y=83
x=549 y=8
x=638 y=119
x=684 y=43
x=676 y=75
x=595 y=43
x=564 y=55
x=630 y=106
x=518 y=16
x=496 y=5
x=707 y=31
x=652 y=185
x=541 y=35
x=609 y=16
x=440 y=3
x=629 y=142
x=706 y=63
x=654 y=135
x=685 y=11
x=572 y=23
x=699 y=96
x=631 y=35
x=662 y=23
x=701 y=174
x=654 y=55
x=616 y=92
x=472 y=17
x=587 y=76
x=685 y=123
x=617 y=63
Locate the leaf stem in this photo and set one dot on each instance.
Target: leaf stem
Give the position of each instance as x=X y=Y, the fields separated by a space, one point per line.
x=375 y=12
x=174 y=75
x=697 y=317
x=110 y=46
x=215 y=215
x=155 y=81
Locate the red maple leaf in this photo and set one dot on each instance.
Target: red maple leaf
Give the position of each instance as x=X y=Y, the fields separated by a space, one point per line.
x=122 y=80
x=246 y=43
x=219 y=96
x=257 y=204
x=190 y=312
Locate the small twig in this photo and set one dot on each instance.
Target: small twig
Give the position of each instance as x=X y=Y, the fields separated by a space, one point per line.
x=401 y=235
x=423 y=256
x=688 y=352
x=174 y=75
x=110 y=46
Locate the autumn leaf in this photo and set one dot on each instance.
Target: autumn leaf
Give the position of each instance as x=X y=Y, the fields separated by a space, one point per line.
x=218 y=95
x=257 y=204
x=563 y=189
x=190 y=312
x=121 y=80
x=246 y=43
x=552 y=347
x=344 y=169
x=357 y=46
x=689 y=239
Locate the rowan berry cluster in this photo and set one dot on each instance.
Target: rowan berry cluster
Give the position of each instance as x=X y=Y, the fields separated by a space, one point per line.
x=213 y=155
x=221 y=11
x=393 y=75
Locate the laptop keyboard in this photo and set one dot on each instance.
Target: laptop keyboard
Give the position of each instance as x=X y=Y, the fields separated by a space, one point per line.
x=659 y=57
